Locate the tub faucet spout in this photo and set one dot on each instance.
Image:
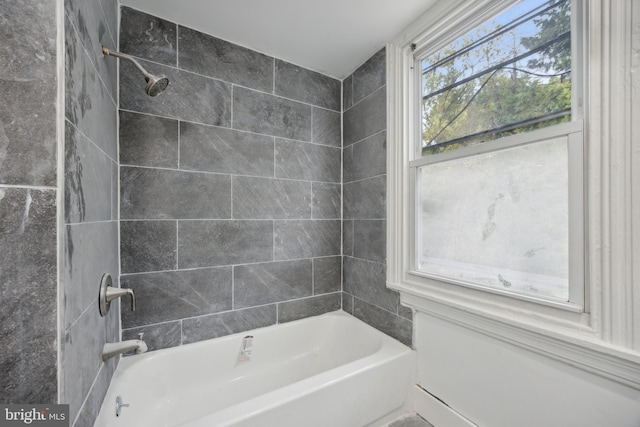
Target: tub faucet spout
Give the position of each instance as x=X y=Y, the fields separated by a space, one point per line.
x=113 y=349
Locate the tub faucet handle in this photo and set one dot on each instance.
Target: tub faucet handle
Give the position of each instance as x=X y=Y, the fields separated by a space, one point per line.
x=108 y=293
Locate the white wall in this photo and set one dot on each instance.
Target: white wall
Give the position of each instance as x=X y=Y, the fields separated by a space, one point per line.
x=495 y=384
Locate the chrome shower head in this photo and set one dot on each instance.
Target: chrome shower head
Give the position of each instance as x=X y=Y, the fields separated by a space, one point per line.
x=155 y=83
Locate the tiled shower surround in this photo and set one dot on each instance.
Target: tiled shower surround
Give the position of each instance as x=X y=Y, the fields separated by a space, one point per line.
x=230 y=200
x=90 y=229
x=364 y=208
x=231 y=189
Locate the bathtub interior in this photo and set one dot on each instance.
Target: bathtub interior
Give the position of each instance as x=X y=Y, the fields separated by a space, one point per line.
x=205 y=377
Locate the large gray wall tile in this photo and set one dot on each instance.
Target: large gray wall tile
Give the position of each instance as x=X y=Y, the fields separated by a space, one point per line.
x=297 y=239
x=267 y=114
x=87 y=179
x=210 y=243
x=260 y=284
x=159 y=336
x=301 y=160
x=370 y=240
x=347 y=93
x=148 y=37
x=175 y=295
x=147 y=246
x=367 y=280
x=367 y=117
x=301 y=84
x=28 y=87
x=366 y=159
x=231 y=322
x=148 y=140
x=88 y=103
x=88 y=21
x=210 y=56
x=347 y=303
x=266 y=198
x=214 y=149
x=389 y=323
x=365 y=199
x=90 y=250
x=189 y=96
x=81 y=355
x=326 y=201
x=326 y=128
x=28 y=291
x=306 y=307
x=163 y=194
x=370 y=76
x=327 y=275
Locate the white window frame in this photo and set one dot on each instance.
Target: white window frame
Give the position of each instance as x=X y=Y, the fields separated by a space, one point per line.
x=602 y=334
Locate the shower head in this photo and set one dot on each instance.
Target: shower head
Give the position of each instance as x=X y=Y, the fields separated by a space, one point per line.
x=155 y=84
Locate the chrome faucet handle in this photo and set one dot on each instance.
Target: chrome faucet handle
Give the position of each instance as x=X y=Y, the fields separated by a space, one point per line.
x=108 y=293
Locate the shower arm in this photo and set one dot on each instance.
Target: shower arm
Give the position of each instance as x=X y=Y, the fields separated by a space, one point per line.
x=108 y=52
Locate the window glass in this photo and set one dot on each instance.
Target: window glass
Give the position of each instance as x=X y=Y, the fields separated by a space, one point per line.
x=498 y=219
x=510 y=74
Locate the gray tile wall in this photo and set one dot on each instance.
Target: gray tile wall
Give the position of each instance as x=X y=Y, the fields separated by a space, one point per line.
x=364 y=203
x=230 y=187
x=28 y=145
x=90 y=231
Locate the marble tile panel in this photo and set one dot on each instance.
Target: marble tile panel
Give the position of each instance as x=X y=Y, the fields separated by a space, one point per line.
x=311 y=162
x=213 y=57
x=189 y=96
x=90 y=250
x=307 y=307
x=326 y=201
x=347 y=93
x=81 y=358
x=270 y=115
x=295 y=239
x=220 y=150
x=267 y=198
x=167 y=194
x=266 y=283
x=29 y=313
x=326 y=127
x=405 y=312
x=347 y=303
x=231 y=322
x=148 y=37
x=28 y=140
x=366 y=159
x=148 y=141
x=173 y=295
x=87 y=21
x=147 y=246
x=115 y=191
x=366 y=280
x=211 y=243
x=389 y=323
x=91 y=407
x=157 y=337
x=110 y=10
x=327 y=275
x=365 y=199
x=370 y=76
x=370 y=240
x=87 y=179
x=347 y=237
x=365 y=118
x=88 y=103
x=301 y=84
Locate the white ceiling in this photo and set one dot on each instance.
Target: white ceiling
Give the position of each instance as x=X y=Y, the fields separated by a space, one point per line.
x=333 y=37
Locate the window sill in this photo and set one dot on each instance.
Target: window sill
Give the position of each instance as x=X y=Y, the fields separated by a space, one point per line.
x=577 y=346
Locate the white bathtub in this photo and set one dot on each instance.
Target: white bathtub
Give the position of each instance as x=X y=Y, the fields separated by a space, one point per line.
x=330 y=370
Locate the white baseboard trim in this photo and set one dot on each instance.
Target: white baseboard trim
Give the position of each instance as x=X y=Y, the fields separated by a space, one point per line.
x=437 y=412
